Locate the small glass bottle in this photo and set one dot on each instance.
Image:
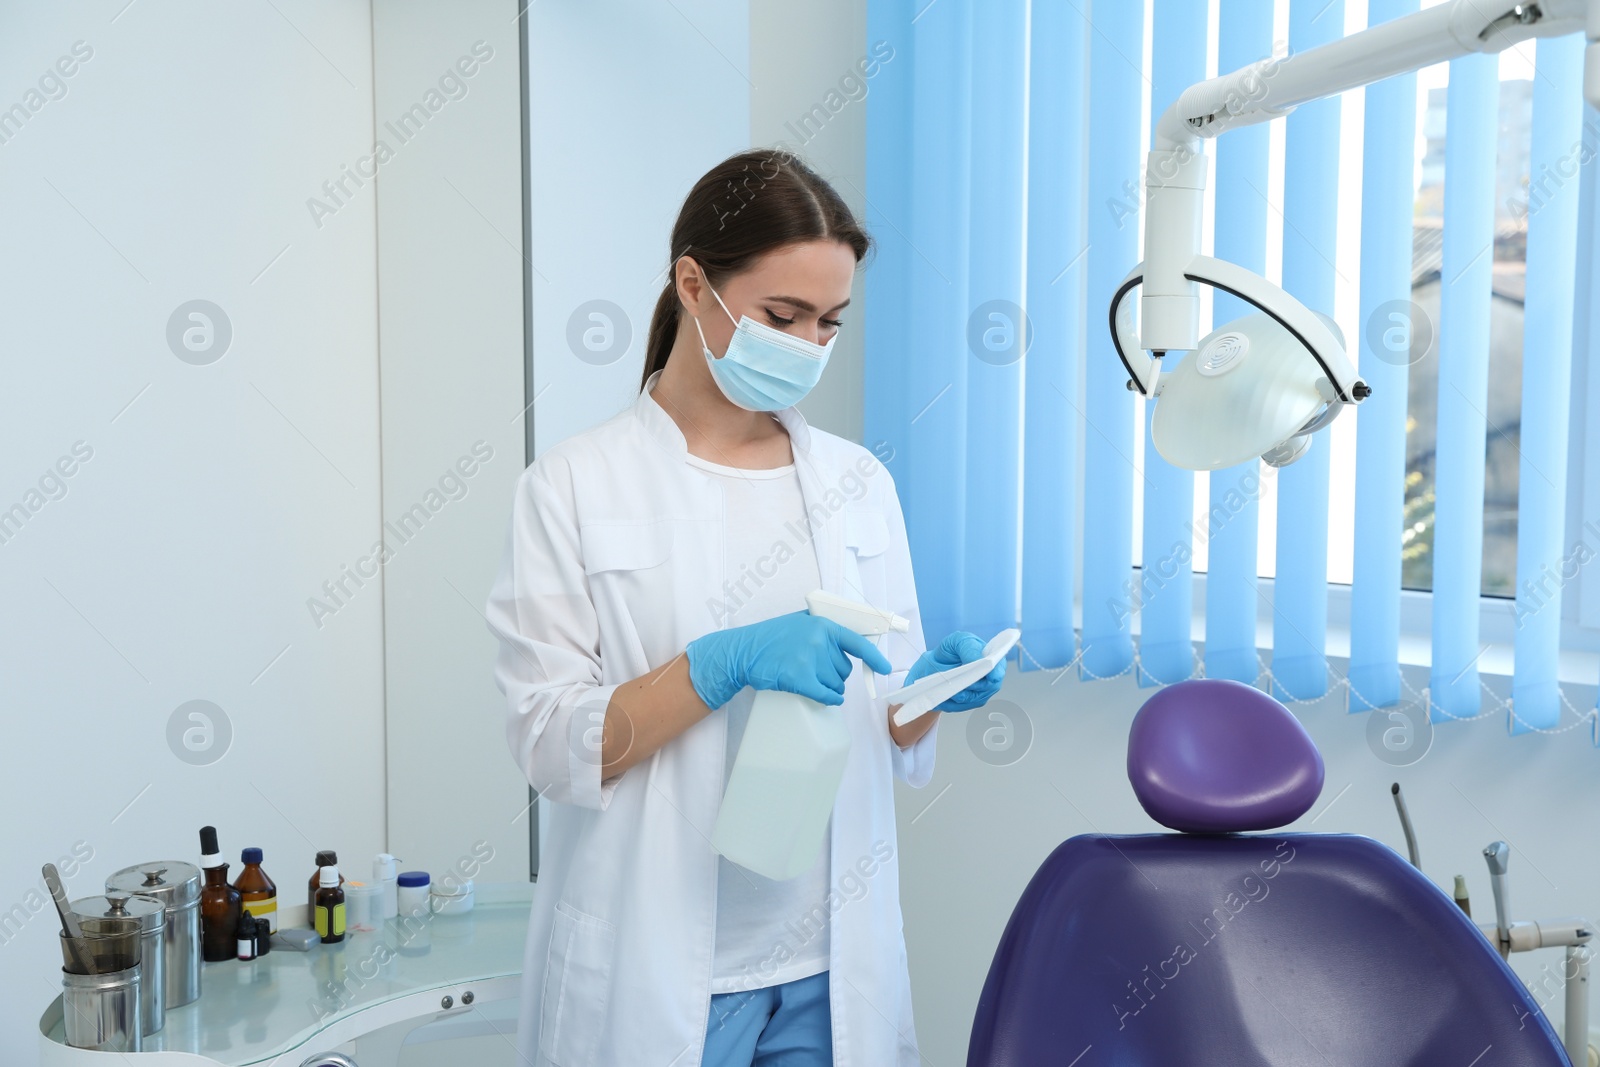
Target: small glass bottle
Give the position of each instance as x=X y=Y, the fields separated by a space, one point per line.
x=263 y=937
x=245 y=936
x=219 y=902
x=326 y=858
x=328 y=915
x=257 y=893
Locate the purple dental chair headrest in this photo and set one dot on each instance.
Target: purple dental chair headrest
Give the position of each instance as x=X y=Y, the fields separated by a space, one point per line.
x=1210 y=756
x=1214 y=947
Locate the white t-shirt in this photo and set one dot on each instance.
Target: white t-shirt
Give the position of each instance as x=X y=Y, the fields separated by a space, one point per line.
x=768 y=932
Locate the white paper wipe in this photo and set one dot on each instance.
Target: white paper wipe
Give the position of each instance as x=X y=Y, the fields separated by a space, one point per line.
x=927 y=693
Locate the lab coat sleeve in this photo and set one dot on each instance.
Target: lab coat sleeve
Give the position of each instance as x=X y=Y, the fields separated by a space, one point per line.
x=913 y=765
x=548 y=664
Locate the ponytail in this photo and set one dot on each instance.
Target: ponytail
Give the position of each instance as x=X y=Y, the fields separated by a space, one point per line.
x=663 y=329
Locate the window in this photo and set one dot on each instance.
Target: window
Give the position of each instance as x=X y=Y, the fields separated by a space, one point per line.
x=1505 y=368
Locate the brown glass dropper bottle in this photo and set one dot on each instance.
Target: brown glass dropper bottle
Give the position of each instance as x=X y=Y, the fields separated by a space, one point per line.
x=219 y=902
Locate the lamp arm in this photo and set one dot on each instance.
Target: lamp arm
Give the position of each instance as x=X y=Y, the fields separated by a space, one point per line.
x=1274 y=87
x=1177 y=167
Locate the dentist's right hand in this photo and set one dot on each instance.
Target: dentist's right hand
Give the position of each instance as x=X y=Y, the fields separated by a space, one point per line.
x=796 y=653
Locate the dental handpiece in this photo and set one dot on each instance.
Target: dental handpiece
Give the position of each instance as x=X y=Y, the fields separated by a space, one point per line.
x=1498 y=856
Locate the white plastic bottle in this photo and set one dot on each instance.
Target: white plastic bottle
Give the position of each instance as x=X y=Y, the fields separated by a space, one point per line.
x=386 y=876
x=790 y=762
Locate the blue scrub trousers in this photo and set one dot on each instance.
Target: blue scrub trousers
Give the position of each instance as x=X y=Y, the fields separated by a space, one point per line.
x=786 y=1025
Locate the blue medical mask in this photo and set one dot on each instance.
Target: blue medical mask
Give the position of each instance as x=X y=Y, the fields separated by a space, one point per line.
x=764 y=369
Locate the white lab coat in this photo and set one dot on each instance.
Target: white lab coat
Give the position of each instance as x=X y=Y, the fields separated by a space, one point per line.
x=613 y=564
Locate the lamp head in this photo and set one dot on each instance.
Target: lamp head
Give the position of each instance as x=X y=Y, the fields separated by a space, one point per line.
x=1249 y=390
x=1258 y=387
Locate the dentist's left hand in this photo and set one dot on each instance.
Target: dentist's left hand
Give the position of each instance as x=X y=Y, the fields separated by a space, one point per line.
x=796 y=653
x=958 y=648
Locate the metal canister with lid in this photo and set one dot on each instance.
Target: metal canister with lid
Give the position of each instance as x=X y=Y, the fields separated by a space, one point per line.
x=176 y=885
x=151 y=914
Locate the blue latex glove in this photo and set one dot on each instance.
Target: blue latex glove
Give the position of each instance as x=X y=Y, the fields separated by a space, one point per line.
x=960 y=647
x=796 y=653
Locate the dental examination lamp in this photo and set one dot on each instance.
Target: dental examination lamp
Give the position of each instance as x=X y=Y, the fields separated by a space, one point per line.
x=1264 y=383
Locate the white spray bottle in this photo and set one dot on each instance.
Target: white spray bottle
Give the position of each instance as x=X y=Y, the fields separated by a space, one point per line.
x=790 y=762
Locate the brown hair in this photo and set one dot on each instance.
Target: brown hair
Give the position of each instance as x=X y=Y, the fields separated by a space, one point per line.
x=746 y=206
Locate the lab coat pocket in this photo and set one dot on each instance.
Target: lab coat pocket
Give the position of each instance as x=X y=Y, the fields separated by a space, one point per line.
x=625 y=546
x=632 y=584
x=866 y=535
x=577 y=986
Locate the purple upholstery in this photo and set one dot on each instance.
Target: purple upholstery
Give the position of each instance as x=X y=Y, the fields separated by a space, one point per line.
x=1167 y=950
x=1223 y=950
x=1214 y=756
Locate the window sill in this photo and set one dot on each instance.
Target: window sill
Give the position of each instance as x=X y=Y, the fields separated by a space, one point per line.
x=1580 y=651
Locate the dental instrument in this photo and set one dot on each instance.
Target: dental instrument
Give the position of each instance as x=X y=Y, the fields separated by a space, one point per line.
x=1251 y=392
x=69 y=920
x=1572 y=934
x=1462 y=899
x=1508 y=937
x=1498 y=856
x=1405 y=824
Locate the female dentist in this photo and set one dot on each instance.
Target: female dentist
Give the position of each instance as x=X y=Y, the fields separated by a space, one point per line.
x=654 y=577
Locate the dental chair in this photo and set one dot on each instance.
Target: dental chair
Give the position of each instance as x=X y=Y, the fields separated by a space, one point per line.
x=1214 y=947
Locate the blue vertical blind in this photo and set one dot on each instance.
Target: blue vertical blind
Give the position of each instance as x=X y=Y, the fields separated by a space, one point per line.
x=1584 y=449
x=1115 y=158
x=1385 y=356
x=1056 y=270
x=919 y=310
x=1005 y=150
x=1166 y=586
x=1244 y=35
x=1546 y=358
x=996 y=329
x=1310 y=232
x=1464 y=290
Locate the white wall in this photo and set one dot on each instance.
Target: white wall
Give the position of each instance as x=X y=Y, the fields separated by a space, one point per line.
x=971 y=839
x=178 y=562
x=629 y=104
x=451 y=331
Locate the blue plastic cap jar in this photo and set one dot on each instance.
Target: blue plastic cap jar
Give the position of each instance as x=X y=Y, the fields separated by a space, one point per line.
x=412 y=893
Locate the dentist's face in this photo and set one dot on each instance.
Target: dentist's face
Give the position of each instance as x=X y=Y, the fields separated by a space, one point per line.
x=802 y=289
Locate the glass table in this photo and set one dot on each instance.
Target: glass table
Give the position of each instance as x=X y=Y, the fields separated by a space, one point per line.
x=286 y=1007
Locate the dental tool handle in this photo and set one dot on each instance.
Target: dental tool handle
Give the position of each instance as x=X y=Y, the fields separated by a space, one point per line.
x=1576 y=1037
x=1498 y=856
x=1405 y=825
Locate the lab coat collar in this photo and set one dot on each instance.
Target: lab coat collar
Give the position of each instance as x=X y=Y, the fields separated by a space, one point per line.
x=659 y=425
